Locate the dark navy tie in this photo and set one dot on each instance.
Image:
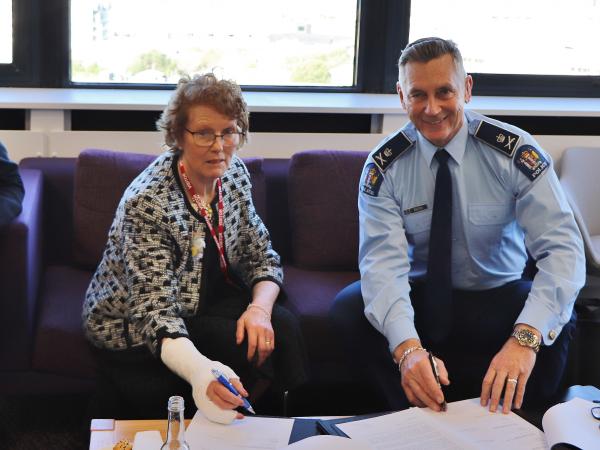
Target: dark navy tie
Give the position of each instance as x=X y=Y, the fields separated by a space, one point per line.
x=438 y=289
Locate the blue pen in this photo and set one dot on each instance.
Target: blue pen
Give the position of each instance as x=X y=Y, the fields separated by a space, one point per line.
x=225 y=382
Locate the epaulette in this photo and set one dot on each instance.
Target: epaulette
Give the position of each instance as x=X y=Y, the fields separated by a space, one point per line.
x=391 y=149
x=499 y=138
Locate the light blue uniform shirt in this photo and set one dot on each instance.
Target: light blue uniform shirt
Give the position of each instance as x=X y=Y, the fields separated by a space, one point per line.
x=499 y=211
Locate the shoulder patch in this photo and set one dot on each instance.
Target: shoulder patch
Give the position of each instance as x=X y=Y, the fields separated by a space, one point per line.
x=371 y=181
x=502 y=140
x=390 y=150
x=530 y=161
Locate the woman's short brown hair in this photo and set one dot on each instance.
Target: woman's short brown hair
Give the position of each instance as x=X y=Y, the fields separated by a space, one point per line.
x=222 y=95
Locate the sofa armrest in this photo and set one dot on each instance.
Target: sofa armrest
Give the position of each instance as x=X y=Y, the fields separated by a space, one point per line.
x=20 y=262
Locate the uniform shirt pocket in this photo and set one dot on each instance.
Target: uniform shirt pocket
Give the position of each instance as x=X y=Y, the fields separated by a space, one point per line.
x=490 y=213
x=490 y=224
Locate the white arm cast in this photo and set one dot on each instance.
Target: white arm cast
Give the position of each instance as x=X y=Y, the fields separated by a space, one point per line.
x=181 y=356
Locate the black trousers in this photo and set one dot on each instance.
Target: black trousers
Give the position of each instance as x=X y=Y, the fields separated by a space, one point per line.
x=483 y=321
x=133 y=384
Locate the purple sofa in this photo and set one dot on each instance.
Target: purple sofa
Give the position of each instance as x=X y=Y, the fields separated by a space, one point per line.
x=48 y=255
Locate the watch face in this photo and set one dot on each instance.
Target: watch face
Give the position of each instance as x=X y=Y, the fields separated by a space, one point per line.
x=527 y=337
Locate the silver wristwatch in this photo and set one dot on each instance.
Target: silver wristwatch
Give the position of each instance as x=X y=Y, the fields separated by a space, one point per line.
x=527 y=338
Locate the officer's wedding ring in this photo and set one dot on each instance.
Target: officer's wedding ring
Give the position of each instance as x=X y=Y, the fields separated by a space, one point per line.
x=512 y=380
x=268 y=341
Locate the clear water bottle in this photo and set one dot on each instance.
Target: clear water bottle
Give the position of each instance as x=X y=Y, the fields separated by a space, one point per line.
x=175 y=426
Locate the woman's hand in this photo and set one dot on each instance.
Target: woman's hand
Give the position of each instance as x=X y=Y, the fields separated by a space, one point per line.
x=256 y=323
x=220 y=395
x=183 y=358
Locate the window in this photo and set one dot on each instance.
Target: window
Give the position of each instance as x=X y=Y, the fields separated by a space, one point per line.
x=533 y=37
x=514 y=47
x=533 y=47
x=6 y=32
x=259 y=42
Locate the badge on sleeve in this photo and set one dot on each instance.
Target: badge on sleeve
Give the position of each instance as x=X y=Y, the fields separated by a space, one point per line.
x=500 y=139
x=530 y=161
x=372 y=180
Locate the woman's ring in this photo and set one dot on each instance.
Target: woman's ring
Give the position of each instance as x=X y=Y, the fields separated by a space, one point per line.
x=512 y=380
x=268 y=341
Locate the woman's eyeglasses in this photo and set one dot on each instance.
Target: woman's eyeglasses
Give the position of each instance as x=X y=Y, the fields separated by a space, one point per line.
x=208 y=138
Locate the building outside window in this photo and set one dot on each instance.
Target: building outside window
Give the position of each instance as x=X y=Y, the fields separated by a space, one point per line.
x=259 y=42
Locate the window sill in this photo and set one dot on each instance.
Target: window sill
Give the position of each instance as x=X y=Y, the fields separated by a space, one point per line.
x=289 y=102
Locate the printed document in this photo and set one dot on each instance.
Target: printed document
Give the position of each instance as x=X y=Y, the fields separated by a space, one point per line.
x=327 y=442
x=257 y=433
x=466 y=425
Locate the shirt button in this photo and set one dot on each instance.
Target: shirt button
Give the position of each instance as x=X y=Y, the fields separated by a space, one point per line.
x=552 y=335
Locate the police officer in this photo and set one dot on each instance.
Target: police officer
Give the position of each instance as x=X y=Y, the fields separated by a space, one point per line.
x=449 y=206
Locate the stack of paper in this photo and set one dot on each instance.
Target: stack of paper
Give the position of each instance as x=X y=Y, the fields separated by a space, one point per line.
x=466 y=425
x=572 y=423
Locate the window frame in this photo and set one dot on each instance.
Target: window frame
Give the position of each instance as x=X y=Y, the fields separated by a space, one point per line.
x=22 y=70
x=41 y=56
x=578 y=86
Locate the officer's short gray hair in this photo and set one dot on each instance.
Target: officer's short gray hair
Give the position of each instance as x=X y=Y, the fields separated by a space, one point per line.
x=425 y=49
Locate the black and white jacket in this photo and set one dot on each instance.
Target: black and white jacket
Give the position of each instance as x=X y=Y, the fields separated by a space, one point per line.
x=148 y=280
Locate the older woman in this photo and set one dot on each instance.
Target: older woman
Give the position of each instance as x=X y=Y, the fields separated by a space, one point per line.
x=188 y=280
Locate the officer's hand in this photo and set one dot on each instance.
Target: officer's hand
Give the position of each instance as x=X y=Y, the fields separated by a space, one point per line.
x=512 y=362
x=418 y=380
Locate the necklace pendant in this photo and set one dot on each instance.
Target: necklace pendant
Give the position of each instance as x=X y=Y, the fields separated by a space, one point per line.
x=203 y=207
x=207 y=210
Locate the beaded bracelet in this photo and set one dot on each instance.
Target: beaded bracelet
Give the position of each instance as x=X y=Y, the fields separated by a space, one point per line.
x=254 y=305
x=407 y=352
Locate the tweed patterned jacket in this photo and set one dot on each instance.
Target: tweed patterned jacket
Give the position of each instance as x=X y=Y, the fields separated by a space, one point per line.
x=148 y=280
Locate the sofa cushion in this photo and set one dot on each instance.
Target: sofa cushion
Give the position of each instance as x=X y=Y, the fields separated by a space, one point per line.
x=309 y=295
x=101 y=177
x=57 y=206
x=60 y=346
x=323 y=193
x=20 y=262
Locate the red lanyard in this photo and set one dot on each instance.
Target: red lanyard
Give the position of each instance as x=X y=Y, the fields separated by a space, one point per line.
x=202 y=209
